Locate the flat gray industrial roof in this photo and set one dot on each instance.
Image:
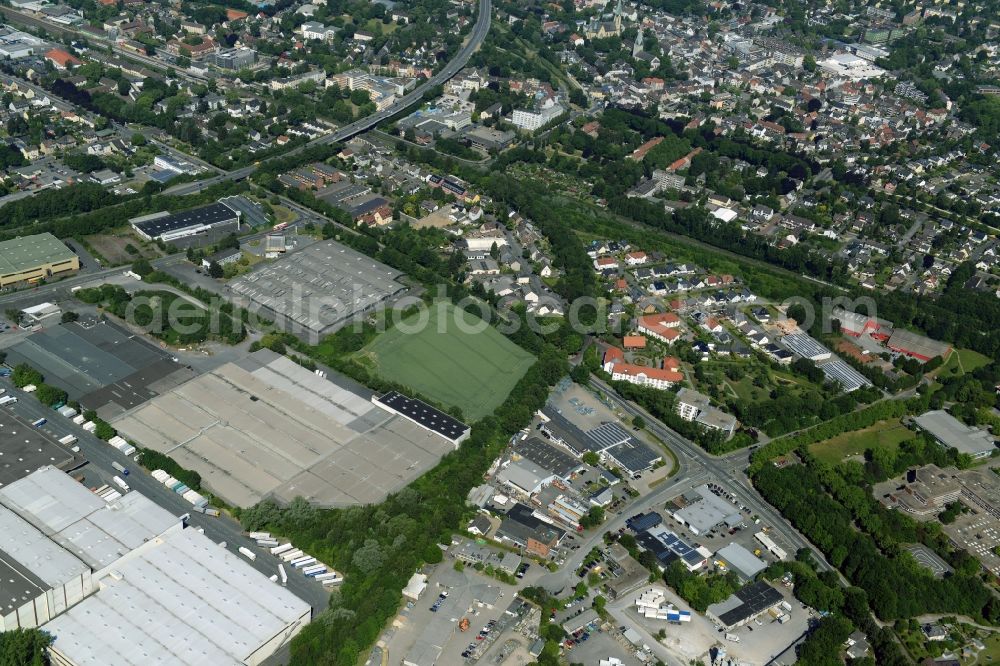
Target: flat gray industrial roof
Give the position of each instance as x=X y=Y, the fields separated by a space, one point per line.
x=546 y=456
x=320 y=286
x=30 y=562
x=27 y=252
x=210 y=215
x=24 y=449
x=952 y=432
x=141 y=386
x=707 y=512
x=96 y=532
x=267 y=426
x=741 y=559
x=181 y=600
x=82 y=357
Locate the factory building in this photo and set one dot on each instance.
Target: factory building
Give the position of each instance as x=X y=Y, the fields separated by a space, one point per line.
x=33 y=258
x=123 y=582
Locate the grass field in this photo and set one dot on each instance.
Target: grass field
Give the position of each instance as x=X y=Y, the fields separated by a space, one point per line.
x=474 y=370
x=962 y=361
x=890 y=433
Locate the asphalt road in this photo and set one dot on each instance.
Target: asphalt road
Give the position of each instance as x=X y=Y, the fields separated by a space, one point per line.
x=727 y=470
x=99 y=470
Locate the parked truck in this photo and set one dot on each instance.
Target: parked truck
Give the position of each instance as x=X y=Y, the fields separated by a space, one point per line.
x=7 y=400
x=120 y=482
x=247 y=553
x=120 y=467
x=68 y=440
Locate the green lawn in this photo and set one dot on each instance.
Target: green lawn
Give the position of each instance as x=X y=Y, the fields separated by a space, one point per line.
x=889 y=433
x=469 y=365
x=962 y=361
x=991 y=655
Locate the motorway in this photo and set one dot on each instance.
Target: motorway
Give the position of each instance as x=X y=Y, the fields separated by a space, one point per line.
x=99 y=471
x=364 y=124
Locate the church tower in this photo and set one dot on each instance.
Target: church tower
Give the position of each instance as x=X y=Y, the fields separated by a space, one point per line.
x=618 y=18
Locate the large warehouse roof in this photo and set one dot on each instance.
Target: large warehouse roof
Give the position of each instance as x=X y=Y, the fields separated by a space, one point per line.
x=183 y=600
x=196 y=218
x=705 y=513
x=913 y=344
x=27 y=252
x=267 y=426
x=952 y=432
x=319 y=287
x=81 y=522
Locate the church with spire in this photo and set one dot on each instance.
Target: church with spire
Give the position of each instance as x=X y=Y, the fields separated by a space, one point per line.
x=599 y=28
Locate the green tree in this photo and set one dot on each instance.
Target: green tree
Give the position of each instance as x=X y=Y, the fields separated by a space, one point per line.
x=24 y=374
x=215 y=270
x=591 y=458
x=142 y=267
x=69 y=316
x=50 y=395
x=24 y=647
x=593 y=517
x=638 y=421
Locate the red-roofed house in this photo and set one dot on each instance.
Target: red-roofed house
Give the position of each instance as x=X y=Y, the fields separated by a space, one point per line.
x=621 y=284
x=613 y=355
x=635 y=258
x=712 y=325
x=662 y=377
x=661 y=326
x=640 y=153
x=235 y=15
x=61 y=59
x=634 y=341
x=604 y=263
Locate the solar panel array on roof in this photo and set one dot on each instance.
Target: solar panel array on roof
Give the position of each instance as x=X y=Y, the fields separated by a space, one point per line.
x=644 y=521
x=203 y=217
x=546 y=456
x=683 y=550
x=806 y=346
x=839 y=371
x=752 y=600
x=634 y=456
x=424 y=415
x=609 y=434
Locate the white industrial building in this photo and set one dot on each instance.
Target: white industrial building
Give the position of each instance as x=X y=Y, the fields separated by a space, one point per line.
x=123 y=582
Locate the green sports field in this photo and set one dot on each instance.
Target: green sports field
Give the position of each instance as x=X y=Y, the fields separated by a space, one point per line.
x=447 y=362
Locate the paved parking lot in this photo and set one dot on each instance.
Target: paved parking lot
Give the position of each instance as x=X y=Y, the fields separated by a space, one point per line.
x=420 y=633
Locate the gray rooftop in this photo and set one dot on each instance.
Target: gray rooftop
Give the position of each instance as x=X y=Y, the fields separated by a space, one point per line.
x=267 y=426
x=182 y=600
x=319 y=287
x=707 y=512
x=24 y=449
x=741 y=559
x=27 y=252
x=95 y=532
x=82 y=357
x=952 y=432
